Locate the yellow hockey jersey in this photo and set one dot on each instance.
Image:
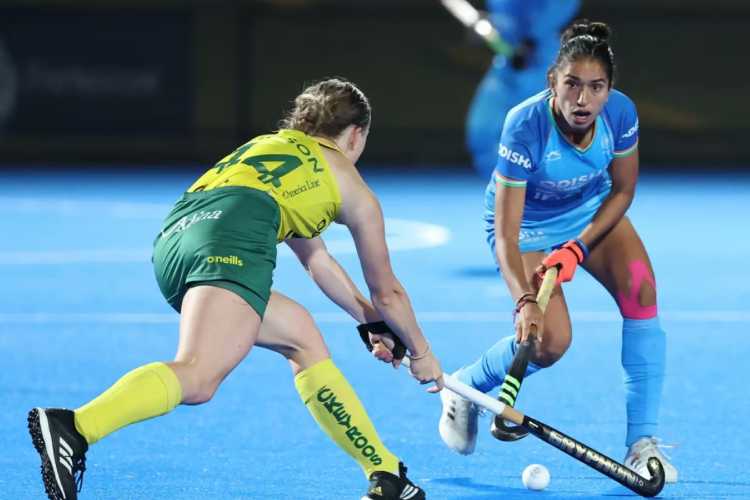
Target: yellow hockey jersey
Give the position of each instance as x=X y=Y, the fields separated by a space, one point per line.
x=288 y=165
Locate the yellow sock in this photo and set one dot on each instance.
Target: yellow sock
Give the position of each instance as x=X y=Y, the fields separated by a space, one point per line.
x=338 y=411
x=145 y=392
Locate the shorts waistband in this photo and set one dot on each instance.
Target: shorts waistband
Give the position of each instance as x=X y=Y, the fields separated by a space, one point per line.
x=231 y=190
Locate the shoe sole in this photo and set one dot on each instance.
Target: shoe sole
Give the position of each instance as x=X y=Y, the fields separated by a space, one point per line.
x=416 y=494
x=39 y=430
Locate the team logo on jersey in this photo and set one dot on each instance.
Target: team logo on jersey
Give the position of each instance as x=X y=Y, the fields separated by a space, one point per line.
x=306 y=186
x=571 y=184
x=514 y=157
x=632 y=131
x=553 y=156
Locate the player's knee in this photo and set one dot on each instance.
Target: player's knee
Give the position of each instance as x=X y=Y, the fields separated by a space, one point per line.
x=548 y=357
x=198 y=385
x=638 y=299
x=647 y=295
x=203 y=393
x=306 y=339
x=551 y=351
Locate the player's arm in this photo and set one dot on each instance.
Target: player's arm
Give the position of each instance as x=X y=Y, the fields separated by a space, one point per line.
x=364 y=218
x=509 y=205
x=332 y=279
x=624 y=174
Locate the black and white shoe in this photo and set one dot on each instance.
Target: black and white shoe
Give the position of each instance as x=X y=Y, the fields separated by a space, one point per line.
x=387 y=486
x=62 y=450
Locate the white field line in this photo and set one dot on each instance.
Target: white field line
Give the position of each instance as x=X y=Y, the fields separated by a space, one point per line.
x=729 y=316
x=402 y=235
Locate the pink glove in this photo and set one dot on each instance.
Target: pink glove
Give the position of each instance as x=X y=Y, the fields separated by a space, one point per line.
x=566 y=258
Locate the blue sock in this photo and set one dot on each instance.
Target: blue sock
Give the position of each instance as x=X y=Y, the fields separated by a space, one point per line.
x=643 y=353
x=488 y=371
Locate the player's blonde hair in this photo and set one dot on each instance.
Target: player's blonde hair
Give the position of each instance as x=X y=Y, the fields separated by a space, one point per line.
x=327 y=107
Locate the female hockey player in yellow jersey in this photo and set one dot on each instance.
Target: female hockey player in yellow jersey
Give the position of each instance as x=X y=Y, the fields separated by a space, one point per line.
x=214 y=260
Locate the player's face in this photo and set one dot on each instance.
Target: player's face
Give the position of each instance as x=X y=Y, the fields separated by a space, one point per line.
x=581 y=89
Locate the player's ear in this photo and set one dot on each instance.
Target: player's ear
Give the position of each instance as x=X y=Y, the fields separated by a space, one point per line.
x=355 y=135
x=551 y=80
x=356 y=138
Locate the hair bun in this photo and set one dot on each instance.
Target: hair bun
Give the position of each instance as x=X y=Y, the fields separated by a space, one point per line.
x=581 y=27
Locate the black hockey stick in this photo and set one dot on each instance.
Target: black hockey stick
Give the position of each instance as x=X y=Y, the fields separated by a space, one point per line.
x=576 y=449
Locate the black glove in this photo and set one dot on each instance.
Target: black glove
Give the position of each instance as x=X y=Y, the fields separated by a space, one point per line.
x=379 y=327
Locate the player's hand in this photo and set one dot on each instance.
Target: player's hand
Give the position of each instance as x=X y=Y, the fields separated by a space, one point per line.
x=529 y=321
x=566 y=258
x=380 y=340
x=384 y=347
x=427 y=369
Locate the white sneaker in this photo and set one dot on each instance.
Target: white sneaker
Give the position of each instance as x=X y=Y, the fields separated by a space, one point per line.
x=458 y=422
x=643 y=449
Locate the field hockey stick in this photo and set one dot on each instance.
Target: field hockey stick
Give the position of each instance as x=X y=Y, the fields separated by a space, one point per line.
x=514 y=378
x=576 y=449
x=470 y=17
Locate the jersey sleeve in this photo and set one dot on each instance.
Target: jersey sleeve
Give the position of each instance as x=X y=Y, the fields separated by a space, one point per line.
x=625 y=124
x=514 y=159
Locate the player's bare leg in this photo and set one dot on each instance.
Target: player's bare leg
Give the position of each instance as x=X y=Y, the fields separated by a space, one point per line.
x=620 y=262
x=217 y=330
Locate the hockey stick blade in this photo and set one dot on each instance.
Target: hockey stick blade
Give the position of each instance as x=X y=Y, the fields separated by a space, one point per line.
x=589 y=456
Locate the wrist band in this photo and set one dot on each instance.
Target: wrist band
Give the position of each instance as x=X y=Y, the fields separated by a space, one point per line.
x=420 y=356
x=583 y=247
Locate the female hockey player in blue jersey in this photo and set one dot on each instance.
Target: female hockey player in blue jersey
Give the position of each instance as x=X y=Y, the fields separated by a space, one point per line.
x=565 y=176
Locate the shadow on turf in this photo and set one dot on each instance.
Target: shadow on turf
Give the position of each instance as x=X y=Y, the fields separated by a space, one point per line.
x=468 y=483
x=485 y=491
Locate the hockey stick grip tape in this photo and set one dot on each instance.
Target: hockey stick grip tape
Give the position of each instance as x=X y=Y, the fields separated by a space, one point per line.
x=546 y=288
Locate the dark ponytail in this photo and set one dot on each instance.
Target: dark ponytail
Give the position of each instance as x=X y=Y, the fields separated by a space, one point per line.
x=587 y=39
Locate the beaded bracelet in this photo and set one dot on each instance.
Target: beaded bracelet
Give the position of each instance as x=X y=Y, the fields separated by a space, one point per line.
x=522 y=302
